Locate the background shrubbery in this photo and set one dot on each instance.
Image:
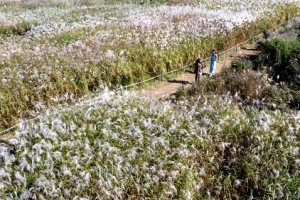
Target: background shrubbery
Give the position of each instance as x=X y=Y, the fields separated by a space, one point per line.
x=282 y=59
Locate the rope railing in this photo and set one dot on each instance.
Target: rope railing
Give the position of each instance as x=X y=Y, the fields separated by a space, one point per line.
x=230 y=50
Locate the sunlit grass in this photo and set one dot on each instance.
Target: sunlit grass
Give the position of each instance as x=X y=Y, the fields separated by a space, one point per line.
x=125 y=146
x=71 y=48
x=222 y=140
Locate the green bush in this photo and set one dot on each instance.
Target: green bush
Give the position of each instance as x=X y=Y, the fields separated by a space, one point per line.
x=240 y=65
x=282 y=58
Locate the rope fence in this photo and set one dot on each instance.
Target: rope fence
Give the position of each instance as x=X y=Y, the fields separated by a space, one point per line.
x=223 y=54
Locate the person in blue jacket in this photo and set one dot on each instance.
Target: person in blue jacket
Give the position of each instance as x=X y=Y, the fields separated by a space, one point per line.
x=213 y=63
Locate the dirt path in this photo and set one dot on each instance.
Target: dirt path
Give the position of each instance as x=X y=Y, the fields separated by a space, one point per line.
x=170 y=86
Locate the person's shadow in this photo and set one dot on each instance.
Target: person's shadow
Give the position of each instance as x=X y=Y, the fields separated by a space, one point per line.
x=203 y=74
x=183 y=82
x=179 y=81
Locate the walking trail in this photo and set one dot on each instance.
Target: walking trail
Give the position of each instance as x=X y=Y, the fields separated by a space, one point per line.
x=161 y=89
x=165 y=88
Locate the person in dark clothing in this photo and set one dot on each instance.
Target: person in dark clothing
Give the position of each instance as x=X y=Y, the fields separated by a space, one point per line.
x=198 y=69
x=266 y=34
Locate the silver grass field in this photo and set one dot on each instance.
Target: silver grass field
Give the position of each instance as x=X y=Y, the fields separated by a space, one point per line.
x=76 y=137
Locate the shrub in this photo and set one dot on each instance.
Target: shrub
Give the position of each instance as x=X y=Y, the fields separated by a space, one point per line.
x=244 y=83
x=281 y=57
x=240 y=65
